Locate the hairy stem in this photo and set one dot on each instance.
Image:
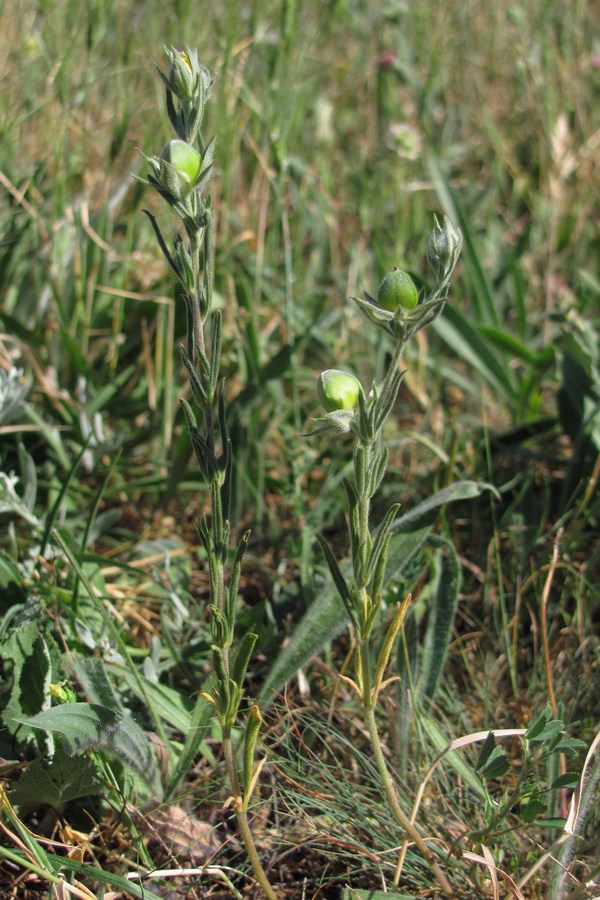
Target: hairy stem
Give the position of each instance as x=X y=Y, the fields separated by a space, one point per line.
x=198 y=343
x=242 y=818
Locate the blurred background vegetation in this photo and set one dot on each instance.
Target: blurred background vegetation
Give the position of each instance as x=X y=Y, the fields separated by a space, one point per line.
x=342 y=127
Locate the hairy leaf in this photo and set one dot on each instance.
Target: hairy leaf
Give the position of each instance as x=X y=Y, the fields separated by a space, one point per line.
x=424 y=513
x=88 y=726
x=57 y=782
x=441 y=617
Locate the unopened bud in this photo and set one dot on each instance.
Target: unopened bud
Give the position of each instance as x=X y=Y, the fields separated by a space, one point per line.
x=338 y=390
x=180 y=167
x=397 y=290
x=181 y=77
x=443 y=247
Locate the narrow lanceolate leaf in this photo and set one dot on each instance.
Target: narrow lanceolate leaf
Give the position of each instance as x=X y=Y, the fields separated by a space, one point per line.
x=253 y=724
x=194 y=734
x=386 y=403
x=242 y=658
x=90 y=873
x=216 y=352
x=196 y=385
x=380 y=540
x=439 y=628
x=352 y=502
x=336 y=573
x=190 y=418
x=423 y=514
x=161 y=243
x=89 y=726
x=328 y=616
x=379 y=569
x=378 y=470
x=234 y=578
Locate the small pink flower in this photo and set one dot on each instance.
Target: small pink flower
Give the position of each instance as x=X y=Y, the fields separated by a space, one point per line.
x=388 y=59
x=596 y=61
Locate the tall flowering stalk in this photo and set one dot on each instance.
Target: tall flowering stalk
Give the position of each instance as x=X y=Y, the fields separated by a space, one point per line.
x=398 y=312
x=180 y=174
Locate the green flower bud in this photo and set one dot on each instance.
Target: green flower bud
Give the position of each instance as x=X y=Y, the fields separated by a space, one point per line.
x=181 y=165
x=181 y=78
x=397 y=290
x=443 y=247
x=338 y=390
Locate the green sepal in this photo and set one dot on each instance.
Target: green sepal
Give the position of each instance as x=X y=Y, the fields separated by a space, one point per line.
x=422 y=315
x=242 y=658
x=253 y=723
x=374 y=312
x=341 y=420
x=338 y=579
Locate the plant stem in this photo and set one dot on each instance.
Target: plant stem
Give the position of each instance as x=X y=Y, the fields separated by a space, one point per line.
x=364 y=662
x=391 y=794
x=242 y=818
x=196 y=240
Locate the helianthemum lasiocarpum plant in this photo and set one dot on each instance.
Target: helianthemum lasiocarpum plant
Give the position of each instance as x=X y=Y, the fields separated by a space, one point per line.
x=401 y=314
x=180 y=175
